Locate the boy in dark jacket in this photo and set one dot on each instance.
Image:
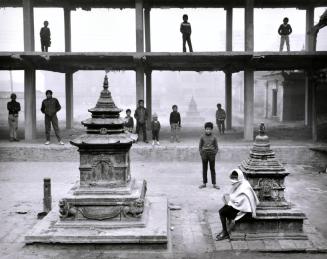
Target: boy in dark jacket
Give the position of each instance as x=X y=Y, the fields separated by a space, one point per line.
x=13 y=108
x=45 y=36
x=175 y=124
x=284 y=30
x=155 y=126
x=208 y=148
x=129 y=122
x=220 y=119
x=50 y=107
x=186 y=30
x=141 y=116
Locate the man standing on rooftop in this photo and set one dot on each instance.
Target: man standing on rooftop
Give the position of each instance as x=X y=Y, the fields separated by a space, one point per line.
x=186 y=31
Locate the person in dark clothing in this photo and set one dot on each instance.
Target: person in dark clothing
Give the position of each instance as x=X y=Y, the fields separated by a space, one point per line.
x=50 y=107
x=220 y=119
x=155 y=126
x=13 y=108
x=45 y=36
x=186 y=31
x=129 y=122
x=175 y=124
x=141 y=116
x=208 y=148
x=284 y=31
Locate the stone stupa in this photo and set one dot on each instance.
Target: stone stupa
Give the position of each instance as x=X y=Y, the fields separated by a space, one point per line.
x=107 y=205
x=193 y=116
x=276 y=217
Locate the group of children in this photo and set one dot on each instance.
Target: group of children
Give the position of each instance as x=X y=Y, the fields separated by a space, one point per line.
x=141 y=116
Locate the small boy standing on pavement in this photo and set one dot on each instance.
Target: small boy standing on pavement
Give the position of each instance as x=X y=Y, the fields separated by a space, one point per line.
x=129 y=122
x=284 y=31
x=220 y=119
x=13 y=109
x=141 y=116
x=186 y=30
x=155 y=126
x=45 y=36
x=208 y=148
x=175 y=124
x=50 y=107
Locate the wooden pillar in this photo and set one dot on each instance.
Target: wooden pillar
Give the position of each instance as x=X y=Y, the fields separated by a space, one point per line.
x=307 y=101
x=229 y=29
x=228 y=99
x=148 y=77
x=228 y=75
x=309 y=20
x=248 y=73
x=29 y=74
x=139 y=25
x=147 y=28
x=248 y=103
x=249 y=27
x=139 y=83
x=28 y=20
x=314 y=128
x=266 y=99
x=30 y=104
x=69 y=83
x=69 y=90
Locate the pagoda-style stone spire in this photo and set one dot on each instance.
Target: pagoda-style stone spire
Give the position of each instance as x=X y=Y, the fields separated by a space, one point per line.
x=265 y=172
x=275 y=217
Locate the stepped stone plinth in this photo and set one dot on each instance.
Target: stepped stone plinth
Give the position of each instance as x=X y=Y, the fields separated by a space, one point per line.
x=193 y=116
x=275 y=217
x=106 y=205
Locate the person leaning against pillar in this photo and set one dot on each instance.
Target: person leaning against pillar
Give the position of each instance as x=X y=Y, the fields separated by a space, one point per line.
x=50 y=107
x=13 y=109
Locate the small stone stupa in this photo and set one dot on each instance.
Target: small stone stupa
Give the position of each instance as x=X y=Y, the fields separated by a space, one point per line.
x=106 y=205
x=193 y=116
x=276 y=217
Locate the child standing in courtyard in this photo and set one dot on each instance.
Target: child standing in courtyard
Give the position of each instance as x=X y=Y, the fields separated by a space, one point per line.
x=155 y=126
x=175 y=124
x=129 y=122
x=208 y=148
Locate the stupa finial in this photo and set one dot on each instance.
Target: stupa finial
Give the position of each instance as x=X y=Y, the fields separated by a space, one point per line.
x=105 y=82
x=262 y=129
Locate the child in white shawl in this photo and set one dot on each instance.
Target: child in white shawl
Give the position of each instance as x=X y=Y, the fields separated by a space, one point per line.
x=241 y=200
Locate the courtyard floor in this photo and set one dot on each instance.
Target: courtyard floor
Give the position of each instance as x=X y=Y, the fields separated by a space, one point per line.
x=21 y=194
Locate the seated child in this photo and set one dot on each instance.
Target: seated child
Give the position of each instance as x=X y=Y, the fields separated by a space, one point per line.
x=241 y=200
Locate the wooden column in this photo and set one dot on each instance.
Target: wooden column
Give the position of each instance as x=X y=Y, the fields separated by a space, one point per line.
x=309 y=20
x=308 y=101
x=139 y=25
x=30 y=104
x=148 y=77
x=147 y=28
x=248 y=104
x=69 y=83
x=314 y=126
x=29 y=74
x=248 y=73
x=228 y=99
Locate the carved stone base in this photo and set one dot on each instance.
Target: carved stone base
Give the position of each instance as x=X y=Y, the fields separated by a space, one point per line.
x=270 y=224
x=150 y=228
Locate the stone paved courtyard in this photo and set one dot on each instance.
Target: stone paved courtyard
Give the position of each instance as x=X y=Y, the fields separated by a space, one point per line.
x=21 y=196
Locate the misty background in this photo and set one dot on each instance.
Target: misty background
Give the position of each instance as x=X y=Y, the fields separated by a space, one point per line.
x=113 y=30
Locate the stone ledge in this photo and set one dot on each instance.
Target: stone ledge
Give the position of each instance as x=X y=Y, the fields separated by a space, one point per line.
x=315 y=243
x=155 y=232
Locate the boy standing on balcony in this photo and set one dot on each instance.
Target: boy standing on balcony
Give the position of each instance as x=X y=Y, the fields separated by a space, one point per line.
x=284 y=31
x=186 y=30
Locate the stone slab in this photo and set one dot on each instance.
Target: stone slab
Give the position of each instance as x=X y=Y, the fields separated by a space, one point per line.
x=155 y=231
